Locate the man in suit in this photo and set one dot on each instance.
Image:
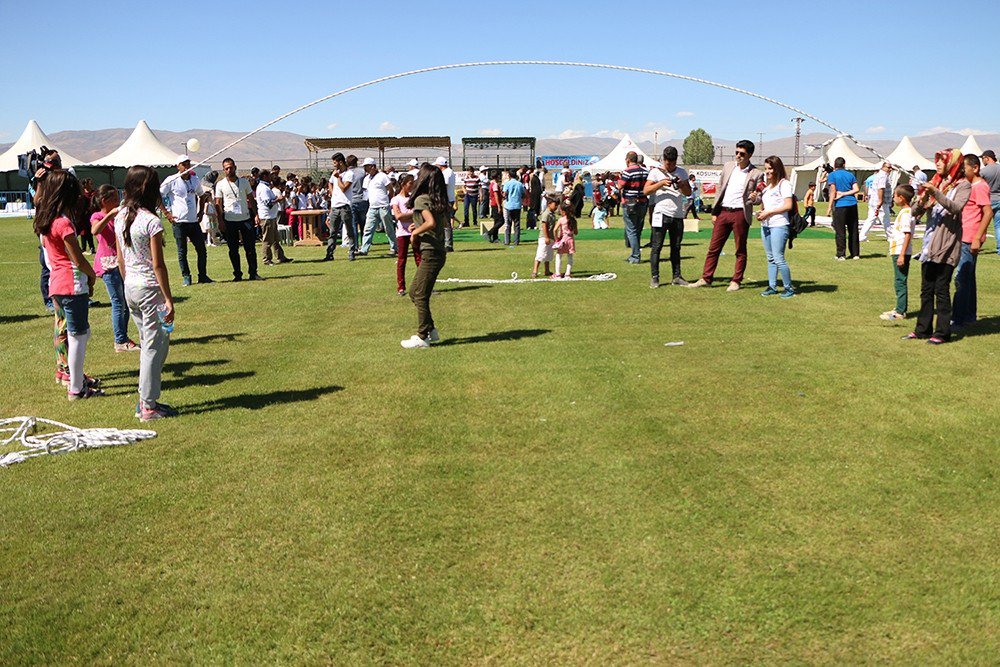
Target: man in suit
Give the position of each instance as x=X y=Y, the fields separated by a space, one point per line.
x=732 y=214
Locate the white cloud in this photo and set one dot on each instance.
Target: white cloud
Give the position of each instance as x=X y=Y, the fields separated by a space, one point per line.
x=569 y=134
x=941 y=129
x=969 y=131
x=685 y=114
x=490 y=132
x=386 y=126
x=662 y=133
x=875 y=129
x=332 y=126
x=609 y=134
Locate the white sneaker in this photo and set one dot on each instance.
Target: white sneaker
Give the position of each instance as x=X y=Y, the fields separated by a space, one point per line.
x=701 y=282
x=733 y=286
x=434 y=337
x=414 y=343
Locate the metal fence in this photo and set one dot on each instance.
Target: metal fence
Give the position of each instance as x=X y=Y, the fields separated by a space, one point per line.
x=14 y=201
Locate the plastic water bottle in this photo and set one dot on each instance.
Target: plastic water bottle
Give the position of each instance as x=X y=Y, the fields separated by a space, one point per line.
x=168 y=327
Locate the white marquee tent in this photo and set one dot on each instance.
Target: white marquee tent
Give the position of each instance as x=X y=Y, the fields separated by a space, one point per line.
x=142 y=147
x=971 y=146
x=836 y=147
x=906 y=155
x=615 y=160
x=33 y=137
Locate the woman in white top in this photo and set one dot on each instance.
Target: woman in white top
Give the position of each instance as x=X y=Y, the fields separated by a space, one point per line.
x=776 y=204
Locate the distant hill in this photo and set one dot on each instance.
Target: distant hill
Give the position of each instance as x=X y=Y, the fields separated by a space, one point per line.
x=276 y=146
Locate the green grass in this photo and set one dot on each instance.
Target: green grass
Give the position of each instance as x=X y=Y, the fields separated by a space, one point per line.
x=549 y=485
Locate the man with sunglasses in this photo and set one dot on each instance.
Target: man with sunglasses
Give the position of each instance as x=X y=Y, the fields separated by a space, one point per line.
x=732 y=214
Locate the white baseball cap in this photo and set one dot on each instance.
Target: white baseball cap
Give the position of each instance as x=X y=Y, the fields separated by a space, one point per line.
x=441 y=161
x=369 y=162
x=412 y=163
x=484 y=169
x=182 y=159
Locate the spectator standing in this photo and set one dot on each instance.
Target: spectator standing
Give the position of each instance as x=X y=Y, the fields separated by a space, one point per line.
x=403 y=214
x=917 y=178
x=990 y=172
x=668 y=187
x=810 y=205
x=634 y=203
x=471 y=198
x=236 y=207
x=484 y=192
x=843 y=202
x=732 y=214
x=976 y=218
x=269 y=204
x=513 y=201
x=181 y=191
x=879 y=202
x=694 y=199
x=449 y=182
x=359 y=205
x=380 y=191
x=776 y=203
x=431 y=216
x=340 y=208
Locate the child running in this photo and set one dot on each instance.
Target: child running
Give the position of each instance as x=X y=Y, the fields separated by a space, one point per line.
x=147 y=286
x=431 y=213
x=900 y=250
x=546 y=228
x=403 y=214
x=565 y=245
x=71 y=278
x=102 y=222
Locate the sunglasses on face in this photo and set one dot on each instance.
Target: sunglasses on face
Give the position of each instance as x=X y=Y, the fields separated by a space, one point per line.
x=741 y=153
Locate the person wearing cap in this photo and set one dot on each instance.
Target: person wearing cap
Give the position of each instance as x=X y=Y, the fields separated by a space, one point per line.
x=990 y=172
x=414 y=167
x=471 y=198
x=449 y=181
x=879 y=202
x=380 y=191
x=182 y=191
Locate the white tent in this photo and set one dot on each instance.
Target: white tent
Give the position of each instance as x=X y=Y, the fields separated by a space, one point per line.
x=906 y=155
x=33 y=137
x=833 y=149
x=971 y=146
x=615 y=160
x=142 y=147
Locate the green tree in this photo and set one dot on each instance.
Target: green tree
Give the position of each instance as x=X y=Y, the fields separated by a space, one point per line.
x=698 y=148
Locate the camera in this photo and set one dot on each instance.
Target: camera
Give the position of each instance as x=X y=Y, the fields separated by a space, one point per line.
x=29 y=163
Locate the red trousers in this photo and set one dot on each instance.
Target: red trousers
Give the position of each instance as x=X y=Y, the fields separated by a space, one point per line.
x=402 y=248
x=727 y=222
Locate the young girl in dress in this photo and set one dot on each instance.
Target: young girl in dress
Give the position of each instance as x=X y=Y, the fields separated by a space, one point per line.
x=147 y=286
x=102 y=222
x=565 y=244
x=71 y=278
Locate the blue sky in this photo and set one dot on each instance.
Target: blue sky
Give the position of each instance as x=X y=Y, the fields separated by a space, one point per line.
x=233 y=66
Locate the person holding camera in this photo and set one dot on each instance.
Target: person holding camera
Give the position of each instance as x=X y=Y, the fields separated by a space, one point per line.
x=37 y=169
x=236 y=207
x=670 y=185
x=181 y=190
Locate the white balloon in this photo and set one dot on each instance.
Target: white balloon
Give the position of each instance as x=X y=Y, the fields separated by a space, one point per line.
x=193 y=145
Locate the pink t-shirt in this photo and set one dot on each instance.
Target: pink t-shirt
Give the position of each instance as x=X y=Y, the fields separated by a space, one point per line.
x=972 y=214
x=106 y=258
x=399 y=201
x=65 y=277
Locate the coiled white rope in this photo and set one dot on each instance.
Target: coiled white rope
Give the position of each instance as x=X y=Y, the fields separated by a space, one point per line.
x=547 y=63
x=514 y=280
x=25 y=432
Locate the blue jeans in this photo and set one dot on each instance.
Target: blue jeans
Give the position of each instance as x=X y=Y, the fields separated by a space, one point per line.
x=635 y=219
x=375 y=215
x=996 y=225
x=774 y=239
x=963 y=309
x=44 y=280
x=77 y=310
x=119 y=309
x=473 y=202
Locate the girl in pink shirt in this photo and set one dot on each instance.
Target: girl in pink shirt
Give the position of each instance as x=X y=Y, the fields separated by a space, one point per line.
x=102 y=223
x=71 y=278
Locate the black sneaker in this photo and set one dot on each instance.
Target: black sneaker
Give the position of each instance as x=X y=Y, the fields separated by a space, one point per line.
x=256 y=276
x=204 y=280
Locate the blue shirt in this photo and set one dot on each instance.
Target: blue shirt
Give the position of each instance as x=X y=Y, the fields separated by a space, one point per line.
x=844 y=181
x=513 y=192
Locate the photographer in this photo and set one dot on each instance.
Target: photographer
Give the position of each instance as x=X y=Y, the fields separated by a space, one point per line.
x=37 y=165
x=182 y=190
x=670 y=185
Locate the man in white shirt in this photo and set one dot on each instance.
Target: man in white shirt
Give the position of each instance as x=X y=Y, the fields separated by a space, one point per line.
x=269 y=202
x=414 y=168
x=181 y=191
x=669 y=186
x=879 y=205
x=236 y=208
x=449 y=181
x=340 y=208
x=484 y=192
x=380 y=191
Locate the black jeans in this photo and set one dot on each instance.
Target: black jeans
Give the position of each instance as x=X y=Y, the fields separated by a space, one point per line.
x=674 y=229
x=810 y=215
x=432 y=260
x=44 y=281
x=183 y=231
x=473 y=202
x=513 y=226
x=845 y=226
x=237 y=232
x=935 y=297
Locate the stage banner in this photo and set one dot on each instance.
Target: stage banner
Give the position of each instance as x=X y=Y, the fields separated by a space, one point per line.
x=576 y=162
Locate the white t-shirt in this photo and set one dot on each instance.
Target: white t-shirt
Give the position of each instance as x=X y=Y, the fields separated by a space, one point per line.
x=183 y=197
x=735 y=187
x=265 y=195
x=774 y=198
x=139 y=256
x=378 y=190
x=234 y=198
x=339 y=198
x=669 y=200
x=449 y=181
x=879 y=183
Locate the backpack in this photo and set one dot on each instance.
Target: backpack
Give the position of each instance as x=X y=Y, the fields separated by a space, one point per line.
x=796 y=223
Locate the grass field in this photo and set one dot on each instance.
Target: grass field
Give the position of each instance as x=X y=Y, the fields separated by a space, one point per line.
x=549 y=484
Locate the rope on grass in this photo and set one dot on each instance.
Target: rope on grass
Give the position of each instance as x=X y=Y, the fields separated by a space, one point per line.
x=514 y=280
x=25 y=431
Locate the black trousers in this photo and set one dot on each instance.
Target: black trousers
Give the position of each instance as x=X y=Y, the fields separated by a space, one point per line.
x=184 y=231
x=810 y=215
x=673 y=228
x=845 y=226
x=935 y=298
x=242 y=232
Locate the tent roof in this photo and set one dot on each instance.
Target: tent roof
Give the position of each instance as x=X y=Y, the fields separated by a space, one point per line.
x=381 y=143
x=971 y=146
x=906 y=155
x=33 y=137
x=839 y=147
x=615 y=160
x=142 y=147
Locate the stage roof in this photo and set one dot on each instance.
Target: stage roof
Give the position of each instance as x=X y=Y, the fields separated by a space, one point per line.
x=381 y=143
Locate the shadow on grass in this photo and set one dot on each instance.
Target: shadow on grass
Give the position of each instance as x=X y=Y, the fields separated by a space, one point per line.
x=495 y=337
x=210 y=338
x=205 y=380
x=801 y=286
x=13 y=319
x=258 y=401
x=986 y=326
x=293 y=275
x=180 y=368
x=492 y=248
x=463 y=288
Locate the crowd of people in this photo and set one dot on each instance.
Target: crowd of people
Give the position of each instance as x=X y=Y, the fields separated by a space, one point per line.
x=417 y=210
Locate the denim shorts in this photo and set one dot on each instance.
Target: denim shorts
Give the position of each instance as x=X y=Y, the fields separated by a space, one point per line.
x=77 y=309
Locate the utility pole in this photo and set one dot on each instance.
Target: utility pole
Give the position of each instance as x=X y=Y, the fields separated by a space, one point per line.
x=760 y=143
x=798 y=135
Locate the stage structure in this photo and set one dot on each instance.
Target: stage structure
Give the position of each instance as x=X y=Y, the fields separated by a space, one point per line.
x=389 y=151
x=498 y=152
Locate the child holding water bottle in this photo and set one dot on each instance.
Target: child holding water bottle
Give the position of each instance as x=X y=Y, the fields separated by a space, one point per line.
x=147 y=286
